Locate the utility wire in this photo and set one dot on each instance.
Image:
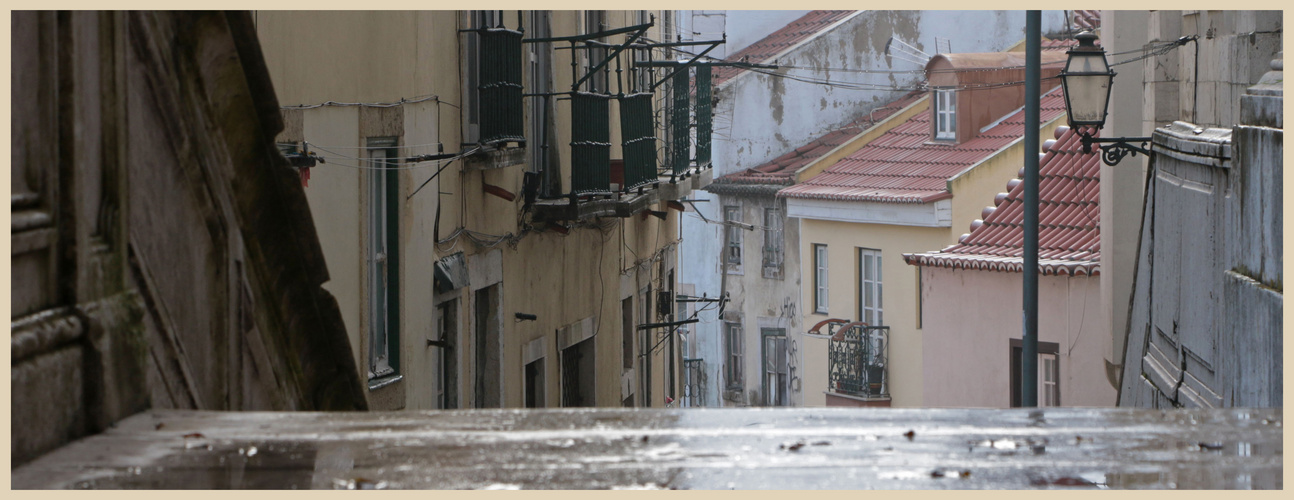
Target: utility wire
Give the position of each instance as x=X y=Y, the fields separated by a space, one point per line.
x=402 y=101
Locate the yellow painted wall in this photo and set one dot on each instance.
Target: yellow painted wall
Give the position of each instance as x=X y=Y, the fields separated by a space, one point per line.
x=843 y=239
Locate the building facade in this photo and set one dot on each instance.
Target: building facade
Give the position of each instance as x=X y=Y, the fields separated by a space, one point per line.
x=163 y=252
x=916 y=185
x=971 y=297
x=1199 y=81
x=494 y=215
x=765 y=116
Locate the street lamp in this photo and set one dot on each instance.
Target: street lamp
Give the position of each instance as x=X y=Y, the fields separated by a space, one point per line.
x=1087 y=79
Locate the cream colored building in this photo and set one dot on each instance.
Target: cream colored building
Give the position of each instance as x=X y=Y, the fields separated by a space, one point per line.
x=467 y=273
x=912 y=183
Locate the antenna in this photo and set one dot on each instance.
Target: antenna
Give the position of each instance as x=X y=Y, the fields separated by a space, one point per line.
x=901 y=50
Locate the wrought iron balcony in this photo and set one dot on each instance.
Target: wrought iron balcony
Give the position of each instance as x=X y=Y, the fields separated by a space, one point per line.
x=857 y=360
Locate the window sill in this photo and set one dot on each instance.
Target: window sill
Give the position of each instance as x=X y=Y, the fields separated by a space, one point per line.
x=380 y=382
x=491 y=157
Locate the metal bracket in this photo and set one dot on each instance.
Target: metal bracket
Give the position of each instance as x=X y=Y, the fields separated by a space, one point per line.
x=1118 y=147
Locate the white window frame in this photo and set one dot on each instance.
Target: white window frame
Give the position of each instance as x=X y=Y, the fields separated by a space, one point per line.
x=946 y=115
x=820 y=277
x=1048 y=379
x=870 y=287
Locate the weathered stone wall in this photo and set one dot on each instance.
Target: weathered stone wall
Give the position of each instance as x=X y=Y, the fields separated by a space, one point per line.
x=164 y=254
x=1205 y=325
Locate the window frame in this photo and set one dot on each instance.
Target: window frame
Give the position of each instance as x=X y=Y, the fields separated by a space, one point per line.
x=599 y=83
x=732 y=247
x=1045 y=349
x=871 y=306
x=382 y=259
x=471 y=112
x=734 y=355
x=945 y=122
x=779 y=370
x=539 y=124
x=820 y=279
x=774 y=253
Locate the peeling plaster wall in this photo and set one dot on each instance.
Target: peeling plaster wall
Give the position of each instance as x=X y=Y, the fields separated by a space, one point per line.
x=760 y=116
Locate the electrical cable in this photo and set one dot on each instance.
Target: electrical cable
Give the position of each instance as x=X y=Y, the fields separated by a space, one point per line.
x=402 y=101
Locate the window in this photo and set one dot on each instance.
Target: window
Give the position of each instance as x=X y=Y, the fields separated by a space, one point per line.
x=733 y=354
x=776 y=387
x=577 y=375
x=447 y=313
x=645 y=346
x=773 y=242
x=383 y=258
x=642 y=77
x=869 y=287
x=820 y=278
x=595 y=21
x=492 y=111
x=627 y=337
x=478 y=19
x=920 y=300
x=732 y=252
x=487 y=348
x=540 y=72
x=946 y=114
x=1048 y=373
x=535 y=384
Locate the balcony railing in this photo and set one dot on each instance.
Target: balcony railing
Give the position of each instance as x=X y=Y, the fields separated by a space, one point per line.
x=857 y=360
x=500 y=86
x=693 y=383
x=590 y=143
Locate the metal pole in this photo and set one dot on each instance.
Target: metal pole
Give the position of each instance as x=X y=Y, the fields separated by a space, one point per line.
x=1032 y=68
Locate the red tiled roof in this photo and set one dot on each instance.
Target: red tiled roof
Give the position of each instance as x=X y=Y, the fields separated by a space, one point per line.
x=782 y=39
x=901 y=166
x=782 y=169
x=1069 y=236
x=1060 y=44
x=1087 y=19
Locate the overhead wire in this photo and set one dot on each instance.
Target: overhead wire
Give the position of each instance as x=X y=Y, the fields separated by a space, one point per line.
x=401 y=102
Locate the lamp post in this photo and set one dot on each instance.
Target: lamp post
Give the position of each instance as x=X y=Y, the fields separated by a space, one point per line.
x=1087 y=79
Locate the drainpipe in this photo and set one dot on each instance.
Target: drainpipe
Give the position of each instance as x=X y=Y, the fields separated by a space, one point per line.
x=1032 y=68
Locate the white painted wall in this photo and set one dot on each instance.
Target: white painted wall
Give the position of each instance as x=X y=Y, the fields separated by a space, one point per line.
x=760 y=117
x=699 y=266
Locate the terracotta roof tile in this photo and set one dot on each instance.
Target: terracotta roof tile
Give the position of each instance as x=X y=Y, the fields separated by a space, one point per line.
x=901 y=166
x=1069 y=219
x=776 y=42
x=1087 y=19
x=782 y=169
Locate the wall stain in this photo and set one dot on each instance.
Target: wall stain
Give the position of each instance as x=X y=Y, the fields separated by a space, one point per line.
x=776 y=90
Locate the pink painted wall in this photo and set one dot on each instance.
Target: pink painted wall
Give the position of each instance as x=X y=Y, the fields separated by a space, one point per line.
x=969 y=318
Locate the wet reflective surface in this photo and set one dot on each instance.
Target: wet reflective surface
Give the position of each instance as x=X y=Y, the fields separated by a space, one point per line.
x=802 y=448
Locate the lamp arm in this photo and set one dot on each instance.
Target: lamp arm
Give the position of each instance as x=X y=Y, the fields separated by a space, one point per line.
x=1118 y=147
